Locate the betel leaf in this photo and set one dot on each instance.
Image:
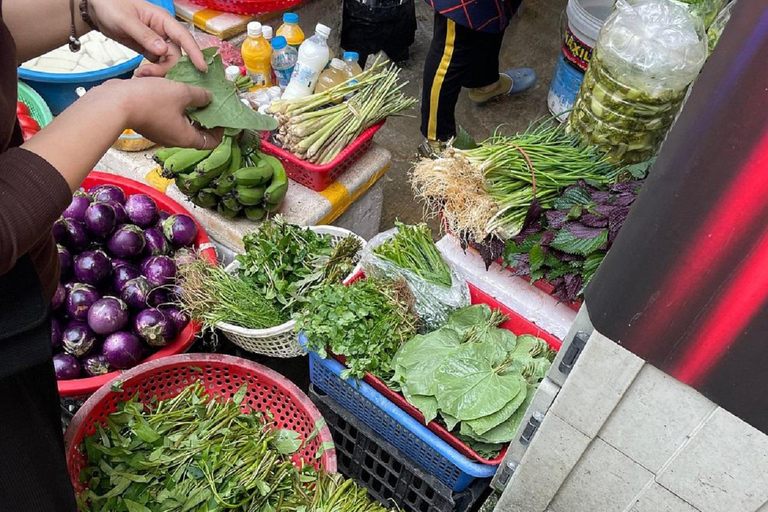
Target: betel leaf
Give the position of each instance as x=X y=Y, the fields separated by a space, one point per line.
x=464 y=319
x=426 y=404
x=568 y=242
x=422 y=360
x=450 y=421
x=486 y=423
x=225 y=110
x=505 y=432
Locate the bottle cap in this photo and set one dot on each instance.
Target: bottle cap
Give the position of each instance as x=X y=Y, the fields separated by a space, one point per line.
x=323 y=30
x=232 y=73
x=291 y=17
x=338 y=64
x=351 y=55
x=254 y=29
x=279 y=43
x=267 y=31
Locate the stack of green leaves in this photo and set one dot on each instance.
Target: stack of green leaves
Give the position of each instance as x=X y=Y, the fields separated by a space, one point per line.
x=477 y=378
x=412 y=248
x=285 y=262
x=366 y=322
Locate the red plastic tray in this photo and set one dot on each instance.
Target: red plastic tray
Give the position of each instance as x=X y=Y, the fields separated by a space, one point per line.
x=248 y=6
x=320 y=177
x=222 y=376
x=83 y=387
x=515 y=323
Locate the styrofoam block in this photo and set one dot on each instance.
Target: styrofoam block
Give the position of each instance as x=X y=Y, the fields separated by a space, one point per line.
x=654 y=418
x=604 y=480
x=581 y=323
x=602 y=374
x=658 y=499
x=554 y=452
x=519 y=295
x=764 y=508
x=542 y=400
x=724 y=467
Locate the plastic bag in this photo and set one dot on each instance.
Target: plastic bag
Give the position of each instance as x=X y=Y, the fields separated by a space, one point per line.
x=434 y=303
x=369 y=29
x=705 y=10
x=717 y=27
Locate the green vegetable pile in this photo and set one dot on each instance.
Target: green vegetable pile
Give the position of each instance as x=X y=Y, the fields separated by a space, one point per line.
x=286 y=263
x=412 y=248
x=366 y=321
x=191 y=453
x=477 y=378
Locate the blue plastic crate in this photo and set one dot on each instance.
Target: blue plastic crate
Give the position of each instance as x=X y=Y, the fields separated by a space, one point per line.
x=396 y=426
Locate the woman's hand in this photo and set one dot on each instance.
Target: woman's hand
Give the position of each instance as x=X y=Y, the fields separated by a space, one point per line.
x=147 y=29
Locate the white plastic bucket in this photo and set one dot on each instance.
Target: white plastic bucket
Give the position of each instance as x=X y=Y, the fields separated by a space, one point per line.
x=585 y=17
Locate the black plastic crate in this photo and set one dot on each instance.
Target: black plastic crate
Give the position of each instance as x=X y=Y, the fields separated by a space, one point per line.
x=390 y=476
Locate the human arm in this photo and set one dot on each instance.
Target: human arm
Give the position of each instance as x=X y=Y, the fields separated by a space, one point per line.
x=141 y=26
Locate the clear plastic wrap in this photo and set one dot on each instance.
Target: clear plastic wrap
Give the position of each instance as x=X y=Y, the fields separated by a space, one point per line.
x=434 y=303
x=716 y=29
x=647 y=54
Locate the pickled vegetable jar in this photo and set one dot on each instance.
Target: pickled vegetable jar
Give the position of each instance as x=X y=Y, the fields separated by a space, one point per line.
x=646 y=57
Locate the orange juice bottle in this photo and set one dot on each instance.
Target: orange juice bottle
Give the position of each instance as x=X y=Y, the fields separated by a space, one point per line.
x=291 y=30
x=257 y=55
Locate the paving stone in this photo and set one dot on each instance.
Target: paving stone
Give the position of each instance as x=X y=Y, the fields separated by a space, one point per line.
x=724 y=467
x=654 y=418
x=658 y=499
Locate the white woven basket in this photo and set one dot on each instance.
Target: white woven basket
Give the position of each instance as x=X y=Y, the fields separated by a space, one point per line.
x=281 y=340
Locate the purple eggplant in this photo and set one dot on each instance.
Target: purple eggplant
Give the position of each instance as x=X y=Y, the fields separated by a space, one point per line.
x=159 y=270
x=78 y=206
x=135 y=293
x=161 y=216
x=127 y=242
x=59 y=231
x=141 y=210
x=123 y=274
x=59 y=296
x=77 y=238
x=180 y=229
x=120 y=262
x=184 y=256
x=107 y=315
x=77 y=339
x=92 y=267
x=107 y=194
x=158 y=297
x=177 y=316
x=97 y=364
x=123 y=350
x=154 y=327
x=157 y=244
x=80 y=299
x=120 y=216
x=55 y=333
x=100 y=219
x=66 y=366
x=65 y=261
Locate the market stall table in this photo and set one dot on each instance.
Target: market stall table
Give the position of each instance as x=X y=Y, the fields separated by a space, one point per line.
x=353 y=202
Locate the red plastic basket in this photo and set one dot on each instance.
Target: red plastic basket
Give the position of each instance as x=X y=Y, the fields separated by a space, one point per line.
x=222 y=377
x=319 y=177
x=248 y=6
x=80 y=388
x=515 y=323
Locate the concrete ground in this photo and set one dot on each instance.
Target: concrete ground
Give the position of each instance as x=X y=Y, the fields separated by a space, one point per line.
x=532 y=40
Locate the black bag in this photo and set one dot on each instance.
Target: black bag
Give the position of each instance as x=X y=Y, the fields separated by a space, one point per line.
x=368 y=30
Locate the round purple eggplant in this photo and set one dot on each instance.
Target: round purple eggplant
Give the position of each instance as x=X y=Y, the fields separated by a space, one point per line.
x=77 y=339
x=59 y=231
x=77 y=238
x=157 y=245
x=96 y=365
x=184 y=256
x=59 y=296
x=123 y=274
x=127 y=242
x=92 y=267
x=177 y=316
x=107 y=315
x=100 y=219
x=180 y=229
x=55 y=333
x=66 y=366
x=120 y=262
x=141 y=210
x=80 y=299
x=158 y=297
x=65 y=261
x=120 y=216
x=123 y=350
x=135 y=293
x=154 y=327
x=107 y=194
x=78 y=206
x=161 y=216
x=159 y=270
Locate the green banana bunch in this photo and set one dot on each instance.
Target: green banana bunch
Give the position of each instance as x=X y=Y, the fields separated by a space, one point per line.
x=182 y=161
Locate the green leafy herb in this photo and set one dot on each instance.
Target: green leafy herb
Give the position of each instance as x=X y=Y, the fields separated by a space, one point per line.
x=412 y=248
x=226 y=109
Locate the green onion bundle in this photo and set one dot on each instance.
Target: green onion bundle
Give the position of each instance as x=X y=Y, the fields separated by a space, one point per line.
x=412 y=248
x=317 y=128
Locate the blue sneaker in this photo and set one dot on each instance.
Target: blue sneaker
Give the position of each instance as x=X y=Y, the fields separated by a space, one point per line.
x=513 y=81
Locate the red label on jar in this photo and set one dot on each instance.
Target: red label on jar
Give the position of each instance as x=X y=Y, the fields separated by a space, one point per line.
x=576 y=51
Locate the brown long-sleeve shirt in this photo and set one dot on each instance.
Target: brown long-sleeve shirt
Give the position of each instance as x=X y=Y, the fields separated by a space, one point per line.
x=32 y=192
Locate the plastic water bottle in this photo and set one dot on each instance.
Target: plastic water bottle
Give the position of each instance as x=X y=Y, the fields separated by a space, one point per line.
x=291 y=30
x=337 y=73
x=351 y=59
x=313 y=56
x=284 y=59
